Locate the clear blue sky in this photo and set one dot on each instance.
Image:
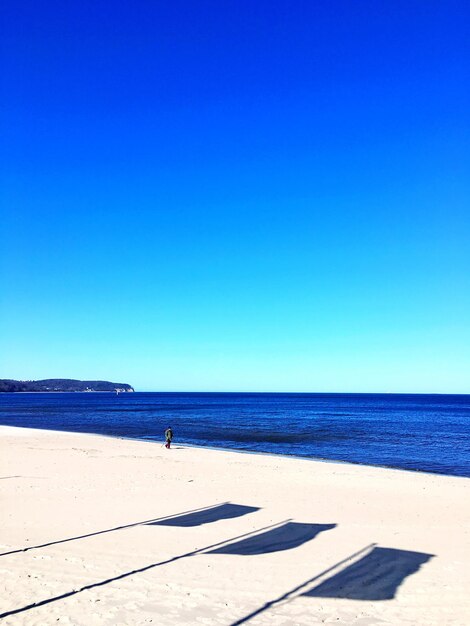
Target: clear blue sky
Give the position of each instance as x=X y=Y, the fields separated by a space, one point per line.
x=237 y=195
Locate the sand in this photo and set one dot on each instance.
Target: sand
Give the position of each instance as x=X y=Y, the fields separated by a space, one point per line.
x=104 y=531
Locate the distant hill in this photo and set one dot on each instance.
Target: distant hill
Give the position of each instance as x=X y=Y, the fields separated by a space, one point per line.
x=61 y=384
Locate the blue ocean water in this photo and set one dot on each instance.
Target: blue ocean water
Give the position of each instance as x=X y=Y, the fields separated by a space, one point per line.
x=416 y=432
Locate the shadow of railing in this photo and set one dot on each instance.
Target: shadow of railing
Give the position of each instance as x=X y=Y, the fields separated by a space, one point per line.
x=139 y=570
x=111 y=530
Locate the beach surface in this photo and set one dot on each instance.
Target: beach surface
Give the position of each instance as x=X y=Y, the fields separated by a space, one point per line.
x=104 y=531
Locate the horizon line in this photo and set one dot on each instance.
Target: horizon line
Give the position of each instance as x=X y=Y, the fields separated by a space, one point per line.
x=388 y=393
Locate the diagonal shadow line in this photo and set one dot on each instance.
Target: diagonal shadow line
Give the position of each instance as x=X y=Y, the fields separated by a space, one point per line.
x=291 y=592
x=135 y=571
x=110 y=530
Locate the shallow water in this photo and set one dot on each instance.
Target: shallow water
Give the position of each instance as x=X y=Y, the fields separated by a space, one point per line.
x=417 y=432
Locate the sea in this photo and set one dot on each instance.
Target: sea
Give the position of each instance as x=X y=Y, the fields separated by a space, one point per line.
x=427 y=433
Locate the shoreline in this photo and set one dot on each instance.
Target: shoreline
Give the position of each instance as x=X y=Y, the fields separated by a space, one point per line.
x=312 y=459
x=241 y=451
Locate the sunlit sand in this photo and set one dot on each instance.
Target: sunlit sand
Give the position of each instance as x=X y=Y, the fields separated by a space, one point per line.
x=106 y=531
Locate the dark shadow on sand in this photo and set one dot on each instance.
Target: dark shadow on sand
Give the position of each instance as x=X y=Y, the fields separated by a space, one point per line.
x=146 y=568
x=376 y=576
x=285 y=537
x=293 y=593
x=206 y=516
x=111 y=530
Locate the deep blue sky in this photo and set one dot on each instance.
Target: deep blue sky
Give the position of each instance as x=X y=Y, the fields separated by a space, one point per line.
x=237 y=195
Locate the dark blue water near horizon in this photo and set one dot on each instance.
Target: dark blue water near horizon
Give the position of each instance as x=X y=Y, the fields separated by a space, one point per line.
x=428 y=433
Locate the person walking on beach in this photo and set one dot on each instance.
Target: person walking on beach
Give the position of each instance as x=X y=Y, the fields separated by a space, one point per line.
x=168 y=437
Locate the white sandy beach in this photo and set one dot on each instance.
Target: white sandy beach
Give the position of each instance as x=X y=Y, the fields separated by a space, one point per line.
x=122 y=532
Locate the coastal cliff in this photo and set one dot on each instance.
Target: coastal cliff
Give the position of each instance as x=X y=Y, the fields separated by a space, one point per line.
x=62 y=384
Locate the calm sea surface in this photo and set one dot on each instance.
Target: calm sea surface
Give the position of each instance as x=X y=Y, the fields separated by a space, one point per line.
x=417 y=432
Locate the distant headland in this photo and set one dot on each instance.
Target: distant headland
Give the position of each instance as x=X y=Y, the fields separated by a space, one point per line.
x=61 y=384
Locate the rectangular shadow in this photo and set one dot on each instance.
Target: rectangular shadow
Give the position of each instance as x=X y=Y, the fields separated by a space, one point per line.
x=285 y=537
x=219 y=512
x=376 y=576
